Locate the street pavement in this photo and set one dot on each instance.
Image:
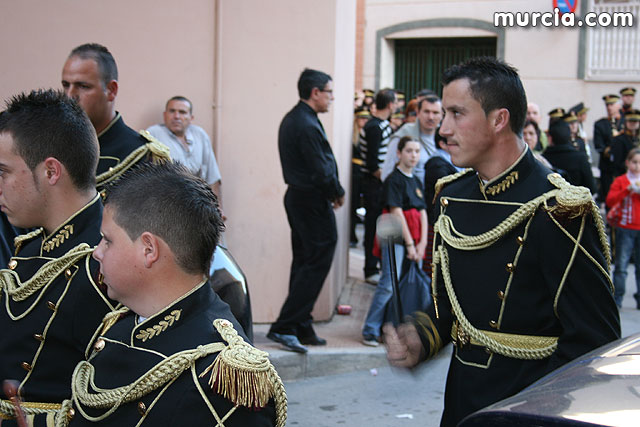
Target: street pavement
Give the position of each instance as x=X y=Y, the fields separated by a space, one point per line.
x=347 y=383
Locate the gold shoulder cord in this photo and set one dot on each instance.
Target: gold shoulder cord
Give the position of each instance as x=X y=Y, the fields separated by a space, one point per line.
x=572 y=201
x=240 y=373
x=159 y=152
x=19 y=291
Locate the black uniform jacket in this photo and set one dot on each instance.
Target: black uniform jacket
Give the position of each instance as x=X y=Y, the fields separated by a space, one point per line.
x=128 y=349
x=620 y=147
x=603 y=134
x=515 y=284
x=574 y=162
x=45 y=332
x=118 y=142
x=307 y=161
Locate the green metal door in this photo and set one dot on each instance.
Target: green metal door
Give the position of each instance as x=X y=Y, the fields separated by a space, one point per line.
x=419 y=63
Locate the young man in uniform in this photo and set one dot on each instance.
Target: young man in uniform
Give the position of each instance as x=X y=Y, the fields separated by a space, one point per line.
x=515 y=305
x=90 y=76
x=175 y=355
x=51 y=301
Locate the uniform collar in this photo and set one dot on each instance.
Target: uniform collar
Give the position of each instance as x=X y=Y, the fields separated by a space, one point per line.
x=510 y=178
x=61 y=239
x=171 y=316
x=110 y=125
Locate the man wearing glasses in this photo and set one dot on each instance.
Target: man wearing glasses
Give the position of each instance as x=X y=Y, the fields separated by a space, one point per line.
x=310 y=171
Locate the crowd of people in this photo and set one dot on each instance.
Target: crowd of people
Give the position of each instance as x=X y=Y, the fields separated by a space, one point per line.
x=108 y=234
x=563 y=147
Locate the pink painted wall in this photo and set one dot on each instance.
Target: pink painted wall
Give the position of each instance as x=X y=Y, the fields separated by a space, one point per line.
x=238 y=61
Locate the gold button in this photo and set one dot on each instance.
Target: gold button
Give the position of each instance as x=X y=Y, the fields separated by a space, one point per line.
x=99 y=345
x=70 y=414
x=501 y=295
x=13 y=264
x=142 y=408
x=444 y=202
x=51 y=306
x=520 y=240
x=26 y=366
x=103 y=194
x=493 y=324
x=38 y=337
x=67 y=273
x=510 y=267
x=487 y=350
x=110 y=169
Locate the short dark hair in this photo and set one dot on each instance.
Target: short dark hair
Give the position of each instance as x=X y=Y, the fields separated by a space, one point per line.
x=403 y=141
x=431 y=99
x=180 y=98
x=384 y=97
x=494 y=84
x=46 y=123
x=310 y=79
x=106 y=64
x=535 y=126
x=560 y=133
x=178 y=207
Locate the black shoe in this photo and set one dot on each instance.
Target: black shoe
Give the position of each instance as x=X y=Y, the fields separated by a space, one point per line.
x=291 y=342
x=313 y=340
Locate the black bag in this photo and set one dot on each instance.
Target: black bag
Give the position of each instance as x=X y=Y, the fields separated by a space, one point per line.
x=415 y=293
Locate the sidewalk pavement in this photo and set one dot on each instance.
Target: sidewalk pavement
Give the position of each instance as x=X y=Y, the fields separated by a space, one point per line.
x=344 y=351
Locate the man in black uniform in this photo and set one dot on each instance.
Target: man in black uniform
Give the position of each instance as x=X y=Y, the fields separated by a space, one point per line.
x=51 y=303
x=310 y=170
x=604 y=130
x=623 y=143
x=564 y=156
x=628 y=95
x=174 y=355
x=90 y=76
x=515 y=305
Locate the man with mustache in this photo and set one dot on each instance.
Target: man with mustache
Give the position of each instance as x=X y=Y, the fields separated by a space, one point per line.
x=515 y=305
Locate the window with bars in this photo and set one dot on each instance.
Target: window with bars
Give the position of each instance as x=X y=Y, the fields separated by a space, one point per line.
x=613 y=53
x=419 y=63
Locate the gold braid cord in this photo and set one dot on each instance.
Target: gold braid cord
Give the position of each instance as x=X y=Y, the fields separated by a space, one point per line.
x=571 y=201
x=240 y=377
x=19 y=240
x=18 y=291
x=528 y=353
x=244 y=375
x=7 y=408
x=158 y=151
x=440 y=183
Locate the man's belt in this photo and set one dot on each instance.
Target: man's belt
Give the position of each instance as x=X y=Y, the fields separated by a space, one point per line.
x=514 y=341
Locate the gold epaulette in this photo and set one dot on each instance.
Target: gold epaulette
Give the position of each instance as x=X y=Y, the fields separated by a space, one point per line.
x=244 y=375
x=19 y=240
x=447 y=180
x=571 y=200
x=157 y=151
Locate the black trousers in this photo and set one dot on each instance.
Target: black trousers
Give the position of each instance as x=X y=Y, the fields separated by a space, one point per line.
x=372 y=194
x=313 y=241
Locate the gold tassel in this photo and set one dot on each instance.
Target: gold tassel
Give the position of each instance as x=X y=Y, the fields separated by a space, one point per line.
x=241 y=373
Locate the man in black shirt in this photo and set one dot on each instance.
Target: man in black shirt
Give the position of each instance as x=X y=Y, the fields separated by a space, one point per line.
x=310 y=170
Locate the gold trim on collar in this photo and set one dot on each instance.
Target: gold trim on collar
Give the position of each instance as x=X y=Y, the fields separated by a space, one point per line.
x=64 y=225
x=503 y=185
x=103 y=131
x=169 y=320
x=59 y=238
